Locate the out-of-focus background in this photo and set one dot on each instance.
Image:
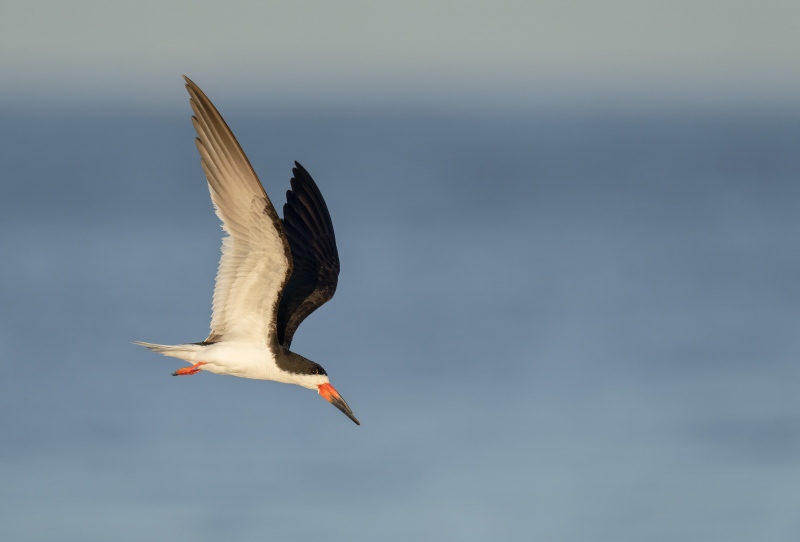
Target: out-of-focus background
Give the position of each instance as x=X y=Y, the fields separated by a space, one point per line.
x=569 y=302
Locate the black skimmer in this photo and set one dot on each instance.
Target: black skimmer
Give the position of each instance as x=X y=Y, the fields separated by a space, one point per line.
x=272 y=274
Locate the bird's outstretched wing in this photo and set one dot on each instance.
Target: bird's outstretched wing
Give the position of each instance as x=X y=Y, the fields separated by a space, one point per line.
x=315 y=274
x=256 y=259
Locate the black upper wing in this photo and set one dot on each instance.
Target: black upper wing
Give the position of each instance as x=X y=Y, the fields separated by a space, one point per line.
x=315 y=271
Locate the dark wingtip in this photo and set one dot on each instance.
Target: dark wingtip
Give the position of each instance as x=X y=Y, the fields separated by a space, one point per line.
x=298 y=169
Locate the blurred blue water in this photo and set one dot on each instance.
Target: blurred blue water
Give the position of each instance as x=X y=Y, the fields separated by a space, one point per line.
x=553 y=327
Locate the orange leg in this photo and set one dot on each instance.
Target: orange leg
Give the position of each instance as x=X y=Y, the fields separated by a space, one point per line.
x=189 y=370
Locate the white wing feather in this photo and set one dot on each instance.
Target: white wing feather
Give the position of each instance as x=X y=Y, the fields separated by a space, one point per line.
x=256 y=259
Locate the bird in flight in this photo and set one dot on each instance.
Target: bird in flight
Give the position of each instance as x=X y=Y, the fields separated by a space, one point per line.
x=272 y=274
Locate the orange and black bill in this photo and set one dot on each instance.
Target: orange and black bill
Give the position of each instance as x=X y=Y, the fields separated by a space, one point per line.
x=330 y=394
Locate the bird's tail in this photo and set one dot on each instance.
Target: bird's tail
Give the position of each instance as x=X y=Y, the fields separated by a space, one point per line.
x=187 y=352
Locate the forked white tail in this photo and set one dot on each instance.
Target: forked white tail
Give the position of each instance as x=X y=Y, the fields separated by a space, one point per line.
x=187 y=352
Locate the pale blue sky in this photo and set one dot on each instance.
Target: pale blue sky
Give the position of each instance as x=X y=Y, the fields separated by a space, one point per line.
x=352 y=52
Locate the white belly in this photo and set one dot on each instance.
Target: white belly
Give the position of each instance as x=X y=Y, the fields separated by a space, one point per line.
x=241 y=359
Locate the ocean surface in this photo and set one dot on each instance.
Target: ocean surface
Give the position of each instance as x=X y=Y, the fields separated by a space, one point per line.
x=553 y=326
